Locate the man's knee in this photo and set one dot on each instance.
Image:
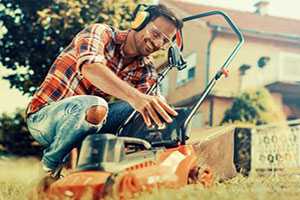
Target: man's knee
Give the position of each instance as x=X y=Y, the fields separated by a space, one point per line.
x=96 y=114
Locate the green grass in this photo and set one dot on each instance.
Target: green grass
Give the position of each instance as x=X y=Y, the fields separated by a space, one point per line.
x=18 y=177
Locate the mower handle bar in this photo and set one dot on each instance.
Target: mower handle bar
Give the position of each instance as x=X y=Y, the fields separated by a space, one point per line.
x=220 y=72
x=212 y=82
x=217 y=12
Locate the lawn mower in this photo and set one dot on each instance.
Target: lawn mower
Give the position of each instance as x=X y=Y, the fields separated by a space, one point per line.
x=140 y=158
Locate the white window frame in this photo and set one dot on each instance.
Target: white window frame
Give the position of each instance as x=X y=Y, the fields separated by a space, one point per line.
x=164 y=86
x=197 y=124
x=182 y=76
x=282 y=61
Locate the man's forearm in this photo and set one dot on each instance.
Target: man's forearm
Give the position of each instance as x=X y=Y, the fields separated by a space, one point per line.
x=103 y=78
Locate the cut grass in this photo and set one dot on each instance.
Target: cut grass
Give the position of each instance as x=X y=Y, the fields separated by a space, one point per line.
x=252 y=188
x=19 y=176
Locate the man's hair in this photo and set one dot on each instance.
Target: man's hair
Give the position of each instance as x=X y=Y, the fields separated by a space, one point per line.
x=161 y=10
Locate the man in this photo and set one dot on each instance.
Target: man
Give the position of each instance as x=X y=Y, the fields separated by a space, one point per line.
x=100 y=63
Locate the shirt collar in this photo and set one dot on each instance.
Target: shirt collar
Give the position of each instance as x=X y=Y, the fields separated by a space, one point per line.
x=120 y=36
x=120 y=39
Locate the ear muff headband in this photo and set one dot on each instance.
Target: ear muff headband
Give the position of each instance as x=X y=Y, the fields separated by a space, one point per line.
x=141 y=17
x=140 y=21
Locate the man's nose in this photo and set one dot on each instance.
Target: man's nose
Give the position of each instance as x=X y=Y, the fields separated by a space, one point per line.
x=158 y=43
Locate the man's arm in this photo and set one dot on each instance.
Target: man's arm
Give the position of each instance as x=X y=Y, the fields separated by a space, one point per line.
x=90 y=45
x=103 y=78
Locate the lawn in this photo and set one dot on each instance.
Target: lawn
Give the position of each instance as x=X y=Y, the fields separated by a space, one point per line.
x=18 y=177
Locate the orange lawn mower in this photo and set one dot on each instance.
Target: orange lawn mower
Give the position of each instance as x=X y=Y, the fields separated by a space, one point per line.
x=140 y=158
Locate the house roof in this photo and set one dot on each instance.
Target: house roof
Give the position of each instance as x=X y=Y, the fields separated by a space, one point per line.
x=286 y=88
x=243 y=19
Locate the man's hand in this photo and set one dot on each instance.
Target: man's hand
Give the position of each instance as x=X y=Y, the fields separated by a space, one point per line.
x=151 y=107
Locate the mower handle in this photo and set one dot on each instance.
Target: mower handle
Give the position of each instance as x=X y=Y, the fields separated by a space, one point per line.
x=222 y=70
x=212 y=82
x=217 y=12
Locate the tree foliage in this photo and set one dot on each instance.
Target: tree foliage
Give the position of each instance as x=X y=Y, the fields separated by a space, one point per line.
x=256 y=107
x=14 y=136
x=32 y=33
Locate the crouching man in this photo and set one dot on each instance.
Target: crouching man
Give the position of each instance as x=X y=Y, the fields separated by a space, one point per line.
x=101 y=62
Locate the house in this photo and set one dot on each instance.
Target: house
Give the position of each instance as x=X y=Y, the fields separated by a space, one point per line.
x=270 y=57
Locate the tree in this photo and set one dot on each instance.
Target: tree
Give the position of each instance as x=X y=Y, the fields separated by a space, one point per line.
x=256 y=107
x=14 y=136
x=34 y=32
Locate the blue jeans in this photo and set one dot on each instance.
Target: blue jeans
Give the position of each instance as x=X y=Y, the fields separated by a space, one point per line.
x=61 y=126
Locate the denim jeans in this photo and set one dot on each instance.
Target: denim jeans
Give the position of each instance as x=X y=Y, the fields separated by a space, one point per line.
x=61 y=126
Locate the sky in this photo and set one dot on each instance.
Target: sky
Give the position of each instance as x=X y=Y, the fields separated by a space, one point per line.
x=11 y=98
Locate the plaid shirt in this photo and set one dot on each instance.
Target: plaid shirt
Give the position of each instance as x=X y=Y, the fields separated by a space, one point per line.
x=97 y=43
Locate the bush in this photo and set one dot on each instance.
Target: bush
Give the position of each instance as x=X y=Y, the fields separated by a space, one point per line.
x=256 y=107
x=15 y=137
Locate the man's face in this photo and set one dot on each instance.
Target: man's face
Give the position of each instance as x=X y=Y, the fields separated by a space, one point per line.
x=156 y=35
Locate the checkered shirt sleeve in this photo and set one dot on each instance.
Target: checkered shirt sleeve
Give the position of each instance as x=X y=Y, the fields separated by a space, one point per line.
x=90 y=45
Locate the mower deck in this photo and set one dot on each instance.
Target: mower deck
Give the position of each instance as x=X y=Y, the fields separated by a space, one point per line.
x=169 y=168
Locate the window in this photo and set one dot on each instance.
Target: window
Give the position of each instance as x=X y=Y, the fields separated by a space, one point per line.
x=164 y=86
x=197 y=121
x=289 y=68
x=189 y=72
